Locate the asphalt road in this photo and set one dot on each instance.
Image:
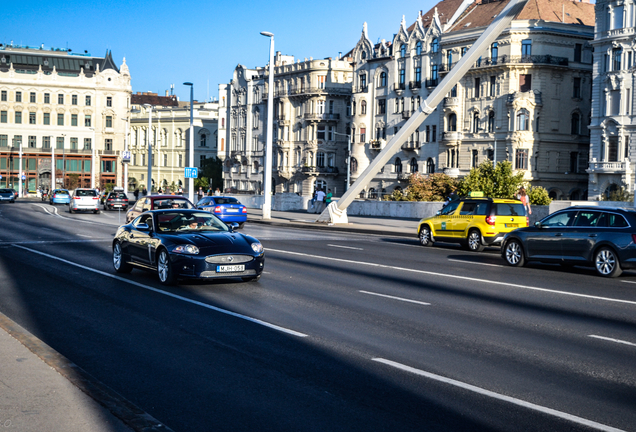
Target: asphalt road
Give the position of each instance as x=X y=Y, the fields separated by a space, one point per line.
x=342 y=332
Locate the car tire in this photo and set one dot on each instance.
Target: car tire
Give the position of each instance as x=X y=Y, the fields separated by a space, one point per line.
x=606 y=263
x=425 y=237
x=251 y=278
x=241 y=225
x=70 y=210
x=473 y=241
x=120 y=265
x=164 y=268
x=513 y=253
x=96 y=211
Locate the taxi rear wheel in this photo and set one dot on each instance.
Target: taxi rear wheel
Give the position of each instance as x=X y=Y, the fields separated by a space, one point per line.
x=474 y=241
x=425 y=236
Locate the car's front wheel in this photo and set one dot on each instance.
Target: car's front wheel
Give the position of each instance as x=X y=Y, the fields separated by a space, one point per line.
x=513 y=253
x=606 y=263
x=474 y=241
x=164 y=268
x=425 y=236
x=120 y=264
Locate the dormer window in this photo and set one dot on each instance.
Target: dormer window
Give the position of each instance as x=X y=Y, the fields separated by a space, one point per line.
x=435 y=45
x=403 y=51
x=418 y=48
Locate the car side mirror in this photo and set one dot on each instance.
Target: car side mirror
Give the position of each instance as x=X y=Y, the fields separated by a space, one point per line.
x=142 y=227
x=233 y=226
x=538 y=224
x=439 y=212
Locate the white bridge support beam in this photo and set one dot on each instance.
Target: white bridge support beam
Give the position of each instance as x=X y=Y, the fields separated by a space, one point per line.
x=336 y=212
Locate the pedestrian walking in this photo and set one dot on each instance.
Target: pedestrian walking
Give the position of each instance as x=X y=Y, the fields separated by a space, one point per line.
x=180 y=190
x=328 y=197
x=144 y=192
x=525 y=200
x=320 y=201
x=217 y=192
x=200 y=194
x=136 y=194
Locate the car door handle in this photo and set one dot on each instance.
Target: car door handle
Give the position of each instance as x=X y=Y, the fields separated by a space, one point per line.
x=558 y=234
x=592 y=235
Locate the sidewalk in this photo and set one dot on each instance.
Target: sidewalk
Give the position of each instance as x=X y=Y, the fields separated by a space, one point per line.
x=402 y=227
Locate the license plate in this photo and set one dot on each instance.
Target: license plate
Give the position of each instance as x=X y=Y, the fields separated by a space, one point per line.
x=230 y=268
x=512 y=225
x=231 y=210
x=116 y=205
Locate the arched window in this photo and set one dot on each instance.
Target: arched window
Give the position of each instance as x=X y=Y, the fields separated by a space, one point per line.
x=452 y=123
x=403 y=51
x=575 y=124
x=435 y=45
x=491 y=121
x=397 y=166
x=382 y=80
x=523 y=120
x=320 y=160
x=204 y=140
x=418 y=48
x=430 y=166
x=363 y=107
x=413 y=165
x=476 y=122
x=354 y=165
x=373 y=194
x=364 y=55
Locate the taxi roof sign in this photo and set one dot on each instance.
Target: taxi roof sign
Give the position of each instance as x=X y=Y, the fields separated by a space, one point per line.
x=476 y=194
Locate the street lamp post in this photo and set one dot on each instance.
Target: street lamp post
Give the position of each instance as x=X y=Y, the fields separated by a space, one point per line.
x=149 y=180
x=63 y=161
x=267 y=181
x=93 y=171
x=52 y=186
x=191 y=149
x=20 y=170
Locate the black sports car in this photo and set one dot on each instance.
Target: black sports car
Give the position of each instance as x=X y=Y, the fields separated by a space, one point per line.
x=188 y=244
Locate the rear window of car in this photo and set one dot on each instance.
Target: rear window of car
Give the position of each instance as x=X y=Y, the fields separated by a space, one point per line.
x=168 y=203
x=117 y=195
x=612 y=220
x=226 y=200
x=85 y=193
x=509 y=209
x=61 y=192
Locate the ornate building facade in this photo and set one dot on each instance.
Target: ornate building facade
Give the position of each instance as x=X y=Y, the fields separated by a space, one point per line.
x=74 y=107
x=526 y=100
x=311 y=115
x=170 y=138
x=613 y=128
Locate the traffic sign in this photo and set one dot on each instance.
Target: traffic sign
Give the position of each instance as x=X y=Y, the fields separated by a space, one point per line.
x=125 y=156
x=191 y=172
x=23 y=177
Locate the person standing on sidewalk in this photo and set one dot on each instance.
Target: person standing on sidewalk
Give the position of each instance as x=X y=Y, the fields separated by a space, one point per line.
x=320 y=200
x=328 y=197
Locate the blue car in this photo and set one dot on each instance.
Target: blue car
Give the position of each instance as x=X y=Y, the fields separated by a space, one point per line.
x=59 y=196
x=228 y=209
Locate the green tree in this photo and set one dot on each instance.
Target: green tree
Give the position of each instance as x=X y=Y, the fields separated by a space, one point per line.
x=538 y=196
x=494 y=181
x=617 y=194
x=431 y=187
x=212 y=170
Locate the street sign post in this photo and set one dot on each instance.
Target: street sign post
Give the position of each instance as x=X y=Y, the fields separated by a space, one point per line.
x=191 y=172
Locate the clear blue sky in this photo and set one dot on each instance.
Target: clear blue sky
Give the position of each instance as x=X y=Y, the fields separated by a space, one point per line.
x=171 y=42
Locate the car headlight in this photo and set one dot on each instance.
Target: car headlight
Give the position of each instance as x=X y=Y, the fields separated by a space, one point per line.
x=257 y=247
x=186 y=249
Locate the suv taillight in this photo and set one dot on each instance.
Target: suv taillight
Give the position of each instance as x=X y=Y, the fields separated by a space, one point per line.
x=244 y=210
x=527 y=221
x=490 y=220
x=218 y=209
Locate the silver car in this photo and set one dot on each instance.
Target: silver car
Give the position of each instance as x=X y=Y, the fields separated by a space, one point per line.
x=7 y=195
x=84 y=200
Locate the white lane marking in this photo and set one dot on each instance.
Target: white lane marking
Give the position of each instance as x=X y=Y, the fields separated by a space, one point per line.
x=476 y=263
x=395 y=298
x=515 y=401
x=84 y=235
x=158 y=291
x=450 y=276
x=344 y=247
x=612 y=340
x=11 y=243
x=632 y=282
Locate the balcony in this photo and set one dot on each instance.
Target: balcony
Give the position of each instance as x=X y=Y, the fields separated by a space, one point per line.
x=398 y=87
x=533 y=59
x=451 y=102
x=407 y=114
x=377 y=144
x=607 y=167
x=322 y=117
x=431 y=82
x=451 y=136
x=452 y=172
x=360 y=89
x=319 y=170
x=403 y=176
x=415 y=86
x=411 y=145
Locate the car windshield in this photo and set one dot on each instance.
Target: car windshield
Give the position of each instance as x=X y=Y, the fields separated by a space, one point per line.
x=188 y=222
x=61 y=192
x=174 y=203
x=226 y=201
x=85 y=193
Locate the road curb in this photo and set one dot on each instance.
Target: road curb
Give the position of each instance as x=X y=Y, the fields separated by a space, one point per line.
x=131 y=415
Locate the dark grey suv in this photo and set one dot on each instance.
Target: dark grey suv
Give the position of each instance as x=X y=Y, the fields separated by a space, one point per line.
x=602 y=237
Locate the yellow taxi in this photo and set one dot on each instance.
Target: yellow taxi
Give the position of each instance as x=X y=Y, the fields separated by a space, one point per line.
x=473 y=222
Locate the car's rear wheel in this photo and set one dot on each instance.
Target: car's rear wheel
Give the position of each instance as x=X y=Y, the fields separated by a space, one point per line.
x=70 y=210
x=120 y=264
x=474 y=241
x=606 y=263
x=251 y=278
x=241 y=225
x=96 y=211
x=164 y=268
x=513 y=253
x=425 y=236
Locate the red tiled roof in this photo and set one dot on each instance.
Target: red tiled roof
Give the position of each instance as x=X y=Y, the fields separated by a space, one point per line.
x=445 y=9
x=154 y=100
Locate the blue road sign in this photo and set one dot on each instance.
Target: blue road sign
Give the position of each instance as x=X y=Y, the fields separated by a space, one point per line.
x=191 y=172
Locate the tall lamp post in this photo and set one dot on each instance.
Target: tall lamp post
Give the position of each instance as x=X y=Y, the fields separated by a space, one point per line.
x=267 y=181
x=149 y=180
x=19 y=142
x=127 y=120
x=191 y=149
x=63 y=160
x=52 y=187
x=93 y=170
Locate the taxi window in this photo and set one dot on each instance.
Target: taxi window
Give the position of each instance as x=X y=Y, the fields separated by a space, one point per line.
x=559 y=219
x=450 y=208
x=468 y=208
x=482 y=209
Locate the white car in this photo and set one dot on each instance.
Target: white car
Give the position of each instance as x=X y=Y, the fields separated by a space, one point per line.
x=84 y=200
